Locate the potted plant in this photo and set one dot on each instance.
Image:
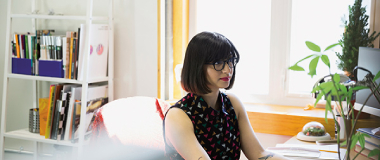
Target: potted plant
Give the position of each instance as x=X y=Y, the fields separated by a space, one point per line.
x=356 y=34
x=341 y=93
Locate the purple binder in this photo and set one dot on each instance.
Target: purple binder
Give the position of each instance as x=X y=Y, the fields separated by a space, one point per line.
x=50 y=68
x=21 y=66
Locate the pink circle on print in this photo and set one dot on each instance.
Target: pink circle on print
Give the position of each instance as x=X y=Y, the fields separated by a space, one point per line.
x=91 y=49
x=99 y=49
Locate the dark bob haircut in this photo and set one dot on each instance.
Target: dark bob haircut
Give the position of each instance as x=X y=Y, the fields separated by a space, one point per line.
x=205 y=47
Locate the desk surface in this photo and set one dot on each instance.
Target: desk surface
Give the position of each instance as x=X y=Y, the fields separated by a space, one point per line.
x=294 y=140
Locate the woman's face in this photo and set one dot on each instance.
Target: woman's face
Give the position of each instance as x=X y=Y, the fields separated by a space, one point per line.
x=218 y=79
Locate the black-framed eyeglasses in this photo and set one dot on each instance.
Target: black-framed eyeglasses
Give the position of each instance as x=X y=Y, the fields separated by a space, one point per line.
x=219 y=65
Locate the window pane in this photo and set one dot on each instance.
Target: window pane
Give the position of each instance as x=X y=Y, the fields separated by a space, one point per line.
x=322 y=24
x=247 y=24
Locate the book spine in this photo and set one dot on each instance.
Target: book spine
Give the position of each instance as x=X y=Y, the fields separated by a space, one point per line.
x=43 y=52
x=48 y=47
x=71 y=53
x=50 y=112
x=67 y=64
x=17 y=45
x=77 y=54
x=58 y=47
x=73 y=56
x=26 y=47
x=63 y=52
x=22 y=53
x=53 y=45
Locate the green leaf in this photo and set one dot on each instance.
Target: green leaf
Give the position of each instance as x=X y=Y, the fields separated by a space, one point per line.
x=354 y=140
x=361 y=140
x=328 y=107
x=313 y=46
x=343 y=89
x=305 y=58
x=296 y=68
x=374 y=152
x=344 y=143
x=320 y=95
x=331 y=46
x=376 y=77
x=312 y=67
x=336 y=78
x=326 y=60
x=359 y=88
x=349 y=95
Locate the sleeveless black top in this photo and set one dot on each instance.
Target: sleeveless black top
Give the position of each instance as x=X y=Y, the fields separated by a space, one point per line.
x=216 y=131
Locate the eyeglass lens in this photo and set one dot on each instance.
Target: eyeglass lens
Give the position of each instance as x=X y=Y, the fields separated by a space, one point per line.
x=219 y=65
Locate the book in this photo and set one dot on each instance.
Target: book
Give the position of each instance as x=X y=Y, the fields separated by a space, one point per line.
x=365 y=152
x=63 y=52
x=67 y=62
x=369 y=145
x=71 y=54
x=65 y=115
x=75 y=94
x=98 y=54
x=17 y=45
x=92 y=107
x=73 y=60
x=81 y=52
x=76 y=55
x=26 y=47
x=374 y=139
x=306 y=151
x=43 y=105
x=57 y=115
x=50 y=112
x=53 y=121
x=22 y=46
x=65 y=96
x=61 y=120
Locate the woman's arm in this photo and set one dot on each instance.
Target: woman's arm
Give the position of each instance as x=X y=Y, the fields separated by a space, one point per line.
x=249 y=142
x=179 y=132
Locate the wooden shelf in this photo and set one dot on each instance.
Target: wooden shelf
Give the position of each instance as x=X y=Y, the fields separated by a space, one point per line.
x=289 y=120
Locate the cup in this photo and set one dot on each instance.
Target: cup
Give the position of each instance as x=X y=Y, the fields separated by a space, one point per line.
x=34 y=120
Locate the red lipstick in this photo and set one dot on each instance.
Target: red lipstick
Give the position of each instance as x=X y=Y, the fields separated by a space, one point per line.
x=225 y=79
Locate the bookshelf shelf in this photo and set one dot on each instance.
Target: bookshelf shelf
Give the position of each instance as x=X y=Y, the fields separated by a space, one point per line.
x=58 y=80
x=24 y=134
x=83 y=89
x=57 y=17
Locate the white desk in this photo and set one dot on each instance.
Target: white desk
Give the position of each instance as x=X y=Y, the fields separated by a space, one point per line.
x=294 y=140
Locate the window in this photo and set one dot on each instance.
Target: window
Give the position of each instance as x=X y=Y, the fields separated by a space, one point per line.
x=270 y=36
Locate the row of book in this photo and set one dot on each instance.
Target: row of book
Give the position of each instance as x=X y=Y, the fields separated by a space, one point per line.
x=67 y=49
x=60 y=112
x=371 y=143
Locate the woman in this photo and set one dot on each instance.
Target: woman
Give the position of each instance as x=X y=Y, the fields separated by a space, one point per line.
x=206 y=123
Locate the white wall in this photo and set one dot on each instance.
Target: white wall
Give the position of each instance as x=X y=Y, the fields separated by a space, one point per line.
x=135 y=28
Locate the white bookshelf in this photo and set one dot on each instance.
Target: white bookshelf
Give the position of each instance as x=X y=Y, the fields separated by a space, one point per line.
x=23 y=133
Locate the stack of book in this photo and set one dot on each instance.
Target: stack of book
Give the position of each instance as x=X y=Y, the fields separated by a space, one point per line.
x=37 y=53
x=371 y=143
x=60 y=113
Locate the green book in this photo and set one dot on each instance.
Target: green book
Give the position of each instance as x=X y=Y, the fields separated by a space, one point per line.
x=26 y=47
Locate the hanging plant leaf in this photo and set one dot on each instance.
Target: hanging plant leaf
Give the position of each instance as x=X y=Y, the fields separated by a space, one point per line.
x=359 y=88
x=312 y=67
x=326 y=60
x=332 y=46
x=376 y=77
x=336 y=78
x=374 y=152
x=296 y=68
x=305 y=58
x=312 y=46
